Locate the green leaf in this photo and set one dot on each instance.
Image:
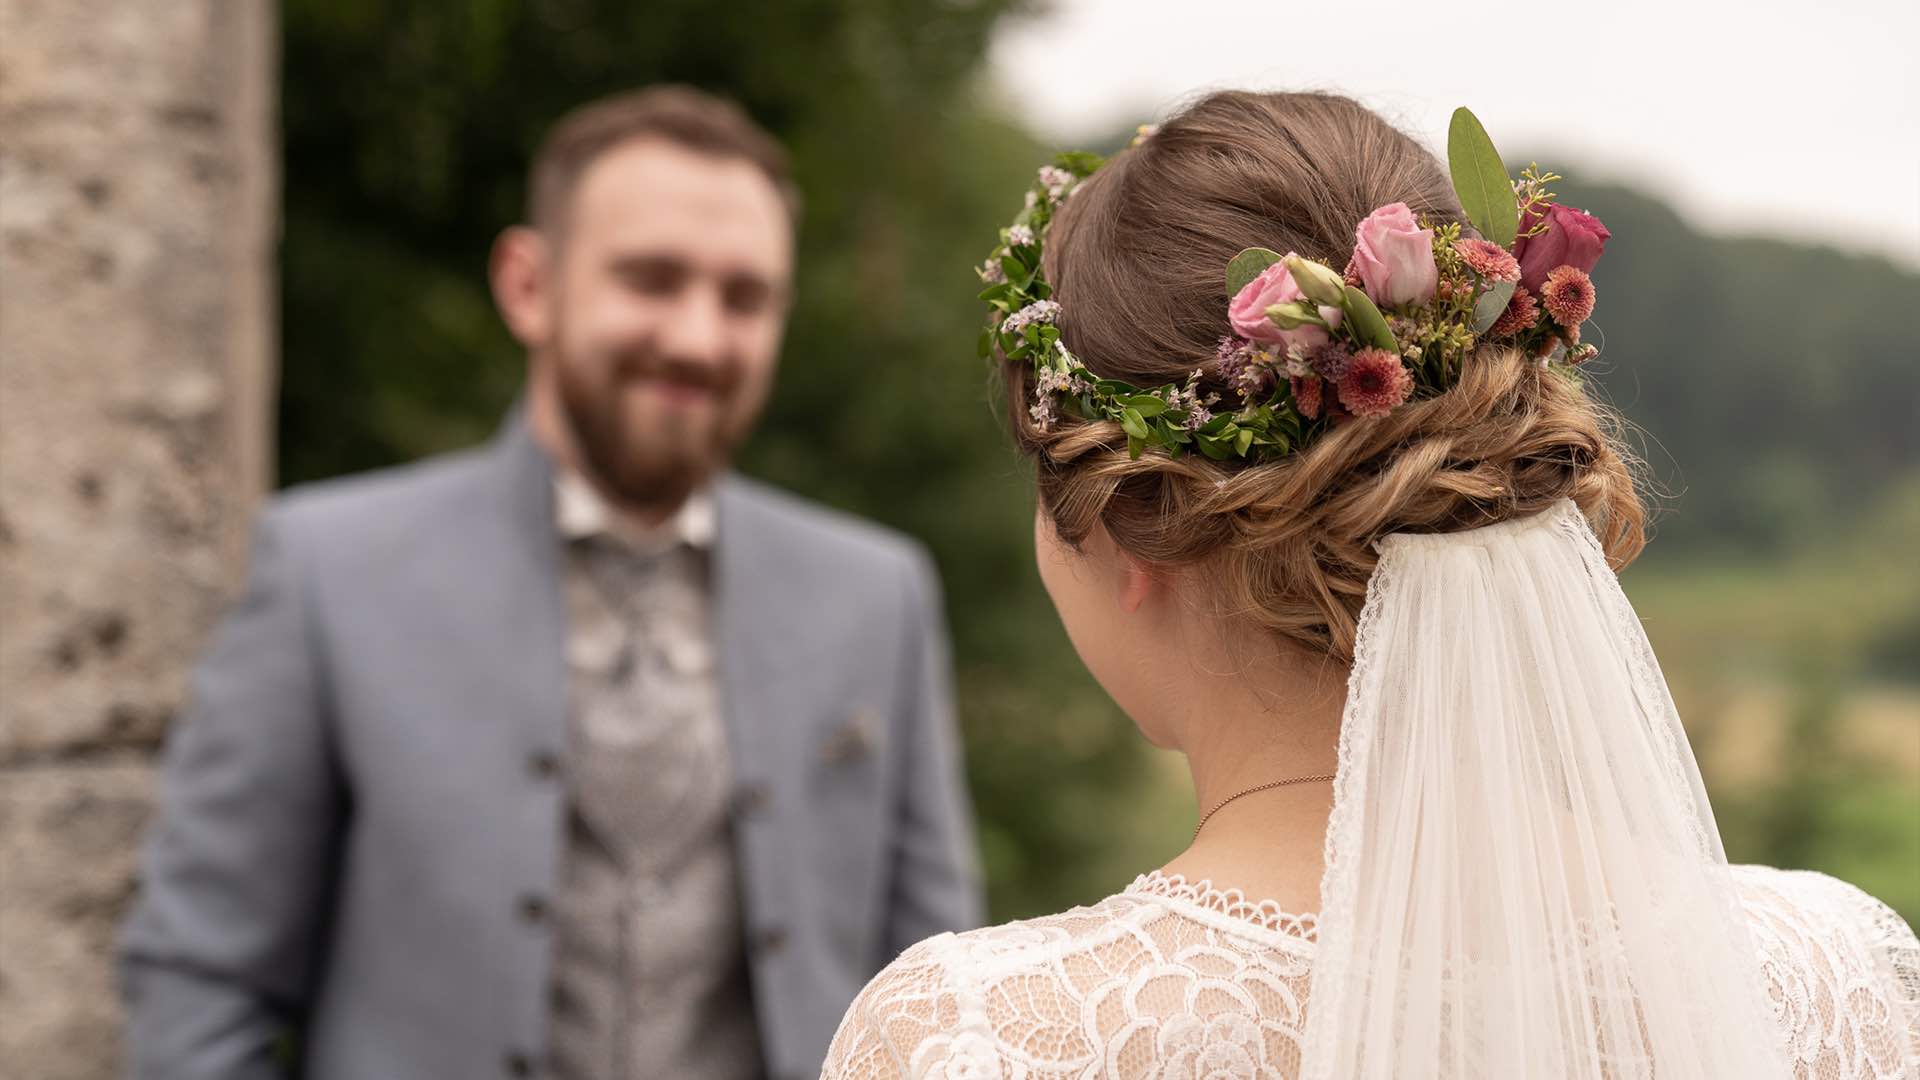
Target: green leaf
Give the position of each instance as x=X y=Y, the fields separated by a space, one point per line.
x=1079 y=162
x=1134 y=446
x=985 y=348
x=1133 y=422
x=1368 y=324
x=1480 y=179
x=1214 y=448
x=1019 y=275
x=1316 y=280
x=1246 y=266
x=1492 y=303
x=1146 y=404
x=1243 y=442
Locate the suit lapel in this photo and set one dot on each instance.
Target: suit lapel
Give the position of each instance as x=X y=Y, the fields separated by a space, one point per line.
x=531 y=661
x=759 y=631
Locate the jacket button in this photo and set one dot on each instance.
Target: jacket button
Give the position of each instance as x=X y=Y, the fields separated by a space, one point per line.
x=751 y=800
x=518 y=1064
x=543 y=764
x=533 y=909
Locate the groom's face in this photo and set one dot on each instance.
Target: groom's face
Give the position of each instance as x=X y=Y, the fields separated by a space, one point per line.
x=671 y=276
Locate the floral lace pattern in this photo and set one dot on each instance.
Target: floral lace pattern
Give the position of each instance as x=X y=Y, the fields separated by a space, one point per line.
x=1842 y=973
x=1178 y=980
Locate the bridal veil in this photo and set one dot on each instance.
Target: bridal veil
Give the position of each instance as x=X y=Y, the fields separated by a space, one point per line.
x=1523 y=874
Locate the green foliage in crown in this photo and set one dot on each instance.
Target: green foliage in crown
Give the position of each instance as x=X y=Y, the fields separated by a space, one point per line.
x=1311 y=348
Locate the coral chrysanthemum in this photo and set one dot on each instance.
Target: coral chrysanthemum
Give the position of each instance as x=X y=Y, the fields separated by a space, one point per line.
x=1307 y=397
x=1522 y=312
x=1376 y=382
x=1568 y=295
x=1488 y=259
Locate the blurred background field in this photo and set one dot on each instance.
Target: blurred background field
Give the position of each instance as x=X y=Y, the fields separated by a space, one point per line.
x=1774 y=383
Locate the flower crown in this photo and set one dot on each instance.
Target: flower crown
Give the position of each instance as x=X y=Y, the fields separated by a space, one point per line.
x=1309 y=347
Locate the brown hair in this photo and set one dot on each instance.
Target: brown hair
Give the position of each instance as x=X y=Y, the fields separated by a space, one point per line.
x=1137 y=258
x=689 y=118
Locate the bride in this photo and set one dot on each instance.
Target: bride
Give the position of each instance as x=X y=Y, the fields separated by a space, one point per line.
x=1325 y=506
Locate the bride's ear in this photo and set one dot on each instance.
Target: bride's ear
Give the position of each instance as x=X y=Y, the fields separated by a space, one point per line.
x=1137 y=581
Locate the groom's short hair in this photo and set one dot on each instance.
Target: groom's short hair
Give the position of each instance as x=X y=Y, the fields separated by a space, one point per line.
x=689 y=118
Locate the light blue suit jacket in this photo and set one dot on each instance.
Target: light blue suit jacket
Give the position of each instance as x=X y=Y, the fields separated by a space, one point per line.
x=358 y=814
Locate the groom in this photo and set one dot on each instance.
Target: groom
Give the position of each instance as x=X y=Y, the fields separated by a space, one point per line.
x=575 y=755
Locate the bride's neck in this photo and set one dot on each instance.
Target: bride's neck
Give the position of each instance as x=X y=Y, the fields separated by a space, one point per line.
x=1263 y=722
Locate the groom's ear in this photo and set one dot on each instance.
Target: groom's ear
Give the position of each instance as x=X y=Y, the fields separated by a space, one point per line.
x=520 y=270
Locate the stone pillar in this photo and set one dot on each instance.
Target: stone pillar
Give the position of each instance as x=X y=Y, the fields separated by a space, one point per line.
x=138 y=220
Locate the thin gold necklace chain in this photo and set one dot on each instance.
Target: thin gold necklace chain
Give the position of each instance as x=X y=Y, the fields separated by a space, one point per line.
x=1269 y=786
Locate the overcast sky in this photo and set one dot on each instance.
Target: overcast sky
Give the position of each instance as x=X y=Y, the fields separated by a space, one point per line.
x=1797 y=119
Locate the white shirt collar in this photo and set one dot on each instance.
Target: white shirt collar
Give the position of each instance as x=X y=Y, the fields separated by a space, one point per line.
x=581 y=512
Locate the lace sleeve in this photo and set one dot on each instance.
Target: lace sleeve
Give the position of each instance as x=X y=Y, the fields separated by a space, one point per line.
x=1842 y=972
x=917 y=1018
x=1896 y=951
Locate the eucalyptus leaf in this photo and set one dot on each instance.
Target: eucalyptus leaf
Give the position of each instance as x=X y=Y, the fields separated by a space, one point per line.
x=1146 y=404
x=1480 y=179
x=1316 y=280
x=1492 y=303
x=1133 y=422
x=1246 y=266
x=1134 y=446
x=1243 y=442
x=1368 y=324
x=1214 y=448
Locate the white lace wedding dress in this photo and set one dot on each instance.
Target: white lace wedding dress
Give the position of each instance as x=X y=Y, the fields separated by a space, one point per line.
x=1173 y=980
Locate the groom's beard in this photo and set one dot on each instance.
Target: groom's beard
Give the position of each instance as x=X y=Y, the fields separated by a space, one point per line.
x=643 y=448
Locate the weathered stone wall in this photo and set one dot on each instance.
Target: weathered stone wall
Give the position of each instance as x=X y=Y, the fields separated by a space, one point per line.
x=138 y=215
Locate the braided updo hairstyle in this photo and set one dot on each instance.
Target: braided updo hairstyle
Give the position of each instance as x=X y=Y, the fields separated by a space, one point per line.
x=1137 y=258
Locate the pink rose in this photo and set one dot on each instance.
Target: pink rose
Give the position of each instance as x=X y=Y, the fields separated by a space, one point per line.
x=1394 y=257
x=1275 y=285
x=1572 y=238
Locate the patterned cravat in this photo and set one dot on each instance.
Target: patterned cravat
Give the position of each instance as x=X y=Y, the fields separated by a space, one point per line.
x=654 y=767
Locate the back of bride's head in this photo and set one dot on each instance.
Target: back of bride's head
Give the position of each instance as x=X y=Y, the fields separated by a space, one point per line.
x=1136 y=258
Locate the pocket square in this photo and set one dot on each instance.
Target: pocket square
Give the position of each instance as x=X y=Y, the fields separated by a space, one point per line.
x=854 y=740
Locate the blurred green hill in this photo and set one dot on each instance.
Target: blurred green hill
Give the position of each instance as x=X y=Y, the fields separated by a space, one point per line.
x=1776 y=383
